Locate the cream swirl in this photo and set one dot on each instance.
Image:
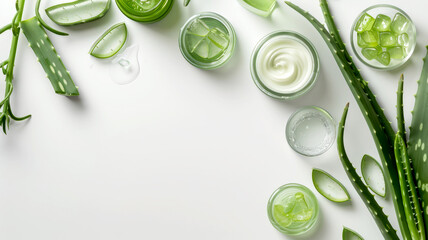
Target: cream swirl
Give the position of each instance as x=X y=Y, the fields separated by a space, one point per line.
x=284 y=64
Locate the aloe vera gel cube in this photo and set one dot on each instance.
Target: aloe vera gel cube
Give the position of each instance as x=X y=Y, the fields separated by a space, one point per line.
x=365 y=23
x=403 y=40
x=387 y=39
x=400 y=24
x=371 y=38
x=384 y=58
x=396 y=52
x=360 y=41
x=371 y=53
x=382 y=23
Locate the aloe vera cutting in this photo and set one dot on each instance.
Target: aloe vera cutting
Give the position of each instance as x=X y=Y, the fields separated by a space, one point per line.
x=78 y=12
x=110 y=42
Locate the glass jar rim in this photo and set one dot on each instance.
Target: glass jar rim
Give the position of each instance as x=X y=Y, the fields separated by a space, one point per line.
x=301 y=39
x=230 y=49
x=312 y=221
x=365 y=61
x=324 y=113
x=156 y=13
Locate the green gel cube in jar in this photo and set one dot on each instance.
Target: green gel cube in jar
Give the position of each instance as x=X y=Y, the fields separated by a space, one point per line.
x=387 y=28
x=365 y=23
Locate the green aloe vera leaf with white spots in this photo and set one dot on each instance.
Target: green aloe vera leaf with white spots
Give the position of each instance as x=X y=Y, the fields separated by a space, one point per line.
x=349 y=234
x=329 y=187
x=48 y=57
x=373 y=175
x=110 y=42
x=380 y=126
x=77 y=12
x=418 y=139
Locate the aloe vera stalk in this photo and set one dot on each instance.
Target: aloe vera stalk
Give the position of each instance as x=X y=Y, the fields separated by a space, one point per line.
x=368 y=198
x=377 y=182
x=377 y=122
x=329 y=187
x=110 y=42
x=78 y=12
x=186 y=2
x=48 y=57
x=408 y=191
x=418 y=144
x=45 y=25
x=7 y=67
x=349 y=234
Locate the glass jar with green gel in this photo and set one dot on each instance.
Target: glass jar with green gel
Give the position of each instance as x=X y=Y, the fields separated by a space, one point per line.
x=207 y=40
x=147 y=11
x=293 y=209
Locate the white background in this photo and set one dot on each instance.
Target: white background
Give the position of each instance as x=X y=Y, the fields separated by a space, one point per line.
x=181 y=153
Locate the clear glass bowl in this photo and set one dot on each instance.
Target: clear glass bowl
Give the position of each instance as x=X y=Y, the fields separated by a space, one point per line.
x=390 y=11
x=280 y=197
x=214 y=20
x=310 y=131
x=266 y=41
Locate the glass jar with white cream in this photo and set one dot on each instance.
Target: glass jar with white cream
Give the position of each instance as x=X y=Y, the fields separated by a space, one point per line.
x=284 y=65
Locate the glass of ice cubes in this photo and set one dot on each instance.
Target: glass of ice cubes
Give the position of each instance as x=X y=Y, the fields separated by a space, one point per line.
x=383 y=37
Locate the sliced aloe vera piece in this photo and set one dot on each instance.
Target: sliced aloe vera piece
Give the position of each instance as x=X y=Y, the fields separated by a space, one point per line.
x=110 y=42
x=77 y=12
x=373 y=175
x=186 y=2
x=329 y=187
x=349 y=234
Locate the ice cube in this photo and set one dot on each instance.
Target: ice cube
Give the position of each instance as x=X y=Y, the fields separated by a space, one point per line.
x=403 y=40
x=382 y=23
x=396 y=52
x=371 y=38
x=219 y=38
x=198 y=28
x=365 y=23
x=387 y=39
x=400 y=24
x=371 y=53
x=384 y=58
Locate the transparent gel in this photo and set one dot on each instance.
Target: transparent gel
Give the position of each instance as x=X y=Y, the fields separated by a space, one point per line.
x=310 y=131
x=125 y=67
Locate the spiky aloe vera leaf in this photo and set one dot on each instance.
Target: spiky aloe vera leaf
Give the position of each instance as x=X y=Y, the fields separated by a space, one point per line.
x=380 y=127
x=418 y=139
x=48 y=57
x=368 y=198
x=408 y=190
x=400 y=113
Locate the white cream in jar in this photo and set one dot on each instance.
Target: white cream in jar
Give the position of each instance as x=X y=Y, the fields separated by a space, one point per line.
x=284 y=65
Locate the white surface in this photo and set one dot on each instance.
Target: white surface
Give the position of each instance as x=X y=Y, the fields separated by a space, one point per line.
x=180 y=153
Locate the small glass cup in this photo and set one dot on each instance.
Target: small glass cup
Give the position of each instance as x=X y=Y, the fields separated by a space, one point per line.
x=310 y=131
x=212 y=20
x=390 y=11
x=281 y=197
x=255 y=58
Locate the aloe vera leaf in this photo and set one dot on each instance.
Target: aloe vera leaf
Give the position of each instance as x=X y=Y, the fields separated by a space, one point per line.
x=5 y=28
x=349 y=234
x=380 y=127
x=44 y=24
x=373 y=175
x=186 y=2
x=329 y=187
x=368 y=198
x=77 y=12
x=418 y=139
x=400 y=113
x=336 y=36
x=110 y=42
x=48 y=57
x=408 y=190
